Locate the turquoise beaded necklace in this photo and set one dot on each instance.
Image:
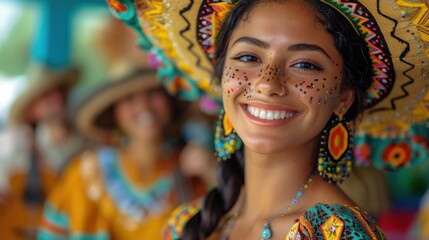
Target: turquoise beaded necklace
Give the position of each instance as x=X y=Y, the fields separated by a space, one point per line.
x=266 y=232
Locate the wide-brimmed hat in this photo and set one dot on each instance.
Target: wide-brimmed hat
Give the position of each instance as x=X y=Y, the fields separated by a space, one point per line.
x=41 y=79
x=91 y=111
x=394 y=130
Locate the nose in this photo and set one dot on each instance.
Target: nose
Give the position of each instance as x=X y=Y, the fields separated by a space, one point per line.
x=141 y=102
x=271 y=81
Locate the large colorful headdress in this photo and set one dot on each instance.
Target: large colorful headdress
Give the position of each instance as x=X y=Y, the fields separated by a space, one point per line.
x=394 y=131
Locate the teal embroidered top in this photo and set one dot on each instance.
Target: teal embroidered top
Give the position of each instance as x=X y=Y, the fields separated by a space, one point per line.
x=322 y=221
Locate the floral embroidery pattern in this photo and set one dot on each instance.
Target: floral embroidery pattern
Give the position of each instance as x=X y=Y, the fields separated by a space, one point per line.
x=397 y=154
x=332 y=228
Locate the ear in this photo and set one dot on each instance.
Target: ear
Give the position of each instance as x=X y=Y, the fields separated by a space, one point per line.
x=345 y=102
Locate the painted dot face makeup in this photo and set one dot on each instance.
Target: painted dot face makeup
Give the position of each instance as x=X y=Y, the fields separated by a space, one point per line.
x=237 y=80
x=321 y=89
x=280 y=83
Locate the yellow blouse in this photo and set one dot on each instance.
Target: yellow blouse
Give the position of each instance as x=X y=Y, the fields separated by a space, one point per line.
x=96 y=199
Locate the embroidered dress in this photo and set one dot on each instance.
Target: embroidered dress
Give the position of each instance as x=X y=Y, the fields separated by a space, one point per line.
x=322 y=221
x=97 y=199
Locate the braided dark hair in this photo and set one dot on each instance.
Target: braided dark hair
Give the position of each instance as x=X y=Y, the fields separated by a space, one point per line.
x=230 y=174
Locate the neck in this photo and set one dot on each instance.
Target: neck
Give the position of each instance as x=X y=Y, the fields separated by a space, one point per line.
x=276 y=176
x=145 y=155
x=57 y=130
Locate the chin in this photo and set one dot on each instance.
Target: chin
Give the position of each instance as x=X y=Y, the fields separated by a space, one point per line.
x=264 y=146
x=149 y=134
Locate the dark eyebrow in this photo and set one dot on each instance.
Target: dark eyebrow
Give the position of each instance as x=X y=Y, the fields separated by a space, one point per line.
x=252 y=41
x=307 y=47
x=293 y=48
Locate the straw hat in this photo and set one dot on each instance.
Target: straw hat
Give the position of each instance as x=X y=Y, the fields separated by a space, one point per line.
x=93 y=112
x=394 y=130
x=41 y=79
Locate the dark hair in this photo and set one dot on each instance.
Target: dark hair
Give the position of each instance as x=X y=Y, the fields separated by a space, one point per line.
x=357 y=76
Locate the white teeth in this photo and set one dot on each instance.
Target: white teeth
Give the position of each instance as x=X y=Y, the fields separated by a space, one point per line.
x=262 y=115
x=256 y=112
x=268 y=114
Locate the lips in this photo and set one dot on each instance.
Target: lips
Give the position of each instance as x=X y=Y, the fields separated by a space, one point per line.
x=268 y=114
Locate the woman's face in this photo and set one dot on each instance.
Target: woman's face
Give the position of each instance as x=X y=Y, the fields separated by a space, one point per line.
x=144 y=114
x=50 y=105
x=282 y=77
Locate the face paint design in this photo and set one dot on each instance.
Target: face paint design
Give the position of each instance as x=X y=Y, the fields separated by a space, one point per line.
x=274 y=73
x=236 y=80
x=321 y=90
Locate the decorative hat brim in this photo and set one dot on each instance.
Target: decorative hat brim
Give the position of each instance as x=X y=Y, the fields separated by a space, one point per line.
x=46 y=80
x=100 y=99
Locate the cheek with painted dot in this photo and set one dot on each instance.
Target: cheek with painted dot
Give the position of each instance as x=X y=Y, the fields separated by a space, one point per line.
x=322 y=89
x=236 y=80
x=316 y=90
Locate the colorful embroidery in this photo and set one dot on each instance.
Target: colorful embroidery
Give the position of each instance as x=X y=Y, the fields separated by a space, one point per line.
x=137 y=203
x=397 y=154
x=174 y=227
x=362 y=154
x=211 y=15
x=333 y=228
x=296 y=233
x=392 y=153
x=118 y=7
x=333 y=221
x=366 y=25
x=323 y=221
x=56 y=225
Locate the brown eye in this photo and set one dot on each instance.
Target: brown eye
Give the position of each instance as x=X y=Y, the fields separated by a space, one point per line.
x=246 y=58
x=307 y=66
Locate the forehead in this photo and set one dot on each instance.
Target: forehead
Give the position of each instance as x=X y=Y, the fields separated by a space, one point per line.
x=278 y=22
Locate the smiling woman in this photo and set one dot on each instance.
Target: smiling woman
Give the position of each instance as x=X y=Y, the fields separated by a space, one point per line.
x=295 y=79
x=281 y=89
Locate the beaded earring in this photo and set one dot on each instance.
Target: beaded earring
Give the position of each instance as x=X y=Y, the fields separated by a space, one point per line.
x=226 y=140
x=117 y=136
x=335 y=153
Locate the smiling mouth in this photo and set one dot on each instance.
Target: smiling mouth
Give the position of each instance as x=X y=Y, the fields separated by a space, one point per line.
x=266 y=114
x=146 y=118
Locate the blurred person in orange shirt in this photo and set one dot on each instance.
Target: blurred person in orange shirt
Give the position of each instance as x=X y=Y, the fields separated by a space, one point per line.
x=42 y=141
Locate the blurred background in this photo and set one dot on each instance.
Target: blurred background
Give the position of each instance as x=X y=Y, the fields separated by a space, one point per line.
x=51 y=36
x=49 y=32
x=55 y=55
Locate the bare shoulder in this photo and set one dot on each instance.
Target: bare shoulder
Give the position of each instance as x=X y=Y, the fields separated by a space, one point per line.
x=328 y=193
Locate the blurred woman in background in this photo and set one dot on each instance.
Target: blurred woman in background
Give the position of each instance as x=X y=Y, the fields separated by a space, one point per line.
x=126 y=187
